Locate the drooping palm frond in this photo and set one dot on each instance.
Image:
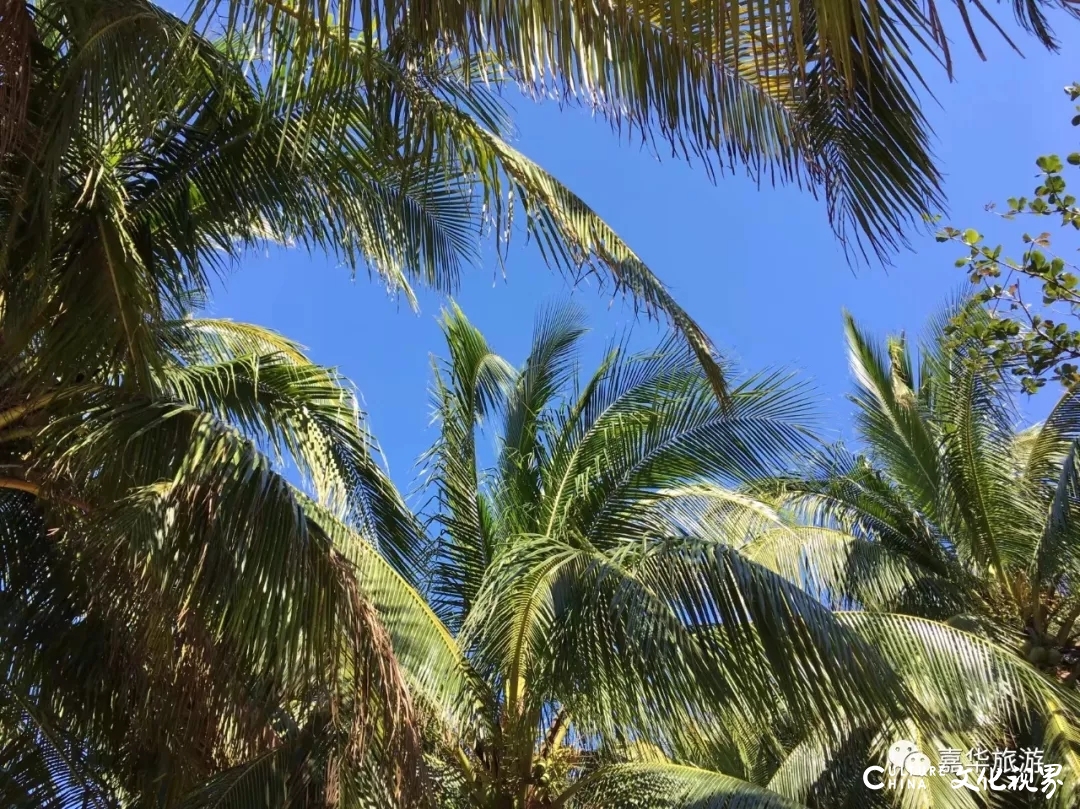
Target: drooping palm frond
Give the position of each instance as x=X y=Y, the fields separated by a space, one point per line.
x=180 y=607
x=845 y=570
x=670 y=785
x=255 y=380
x=967 y=679
x=40 y=765
x=636 y=462
x=817 y=93
x=394 y=160
x=839 y=491
x=819 y=769
x=440 y=676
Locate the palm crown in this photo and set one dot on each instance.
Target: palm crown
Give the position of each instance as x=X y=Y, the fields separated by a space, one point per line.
x=174 y=606
x=627 y=630
x=586 y=592
x=977 y=514
x=952 y=515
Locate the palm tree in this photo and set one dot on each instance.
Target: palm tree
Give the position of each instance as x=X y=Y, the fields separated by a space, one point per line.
x=619 y=643
x=950 y=524
x=172 y=605
x=185 y=627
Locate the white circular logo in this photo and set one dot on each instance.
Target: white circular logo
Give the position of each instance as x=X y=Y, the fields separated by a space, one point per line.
x=917 y=764
x=899 y=752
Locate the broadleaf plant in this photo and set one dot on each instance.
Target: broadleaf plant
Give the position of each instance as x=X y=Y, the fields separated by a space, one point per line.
x=1033 y=332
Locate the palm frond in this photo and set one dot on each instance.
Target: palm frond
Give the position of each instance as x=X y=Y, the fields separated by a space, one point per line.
x=840 y=491
x=1054 y=554
x=439 y=674
x=816 y=93
x=968 y=681
x=468 y=392
x=984 y=509
x=658 y=785
x=40 y=766
x=890 y=421
x=197 y=507
x=548 y=369
x=1048 y=442
x=304 y=412
x=847 y=571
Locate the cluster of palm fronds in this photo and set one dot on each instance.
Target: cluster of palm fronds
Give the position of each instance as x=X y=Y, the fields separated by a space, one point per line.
x=613 y=613
x=635 y=604
x=653 y=611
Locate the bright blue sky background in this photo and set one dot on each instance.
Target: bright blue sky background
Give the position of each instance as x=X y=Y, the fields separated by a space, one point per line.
x=759 y=269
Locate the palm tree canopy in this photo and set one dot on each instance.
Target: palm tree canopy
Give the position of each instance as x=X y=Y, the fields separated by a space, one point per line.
x=604 y=574
x=605 y=613
x=948 y=485
x=171 y=604
x=151 y=158
x=952 y=528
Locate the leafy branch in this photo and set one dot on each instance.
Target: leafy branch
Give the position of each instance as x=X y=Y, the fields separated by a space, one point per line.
x=1033 y=303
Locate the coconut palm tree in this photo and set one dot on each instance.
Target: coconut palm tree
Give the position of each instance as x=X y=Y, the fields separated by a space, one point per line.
x=171 y=603
x=593 y=623
x=951 y=525
x=623 y=646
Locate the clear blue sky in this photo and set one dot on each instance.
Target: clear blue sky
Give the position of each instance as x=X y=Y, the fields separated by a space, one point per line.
x=759 y=269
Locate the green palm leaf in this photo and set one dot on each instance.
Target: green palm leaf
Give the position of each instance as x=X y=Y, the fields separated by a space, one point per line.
x=670 y=785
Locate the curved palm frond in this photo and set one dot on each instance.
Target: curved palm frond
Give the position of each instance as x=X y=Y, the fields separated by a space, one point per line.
x=839 y=491
x=889 y=418
x=980 y=687
x=1044 y=446
x=392 y=160
x=660 y=785
x=39 y=765
x=439 y=674
x=818 y=93
x=263 y=385
x=469 y=392
x=183 y=607
x=819 y=768
x=847 y=571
